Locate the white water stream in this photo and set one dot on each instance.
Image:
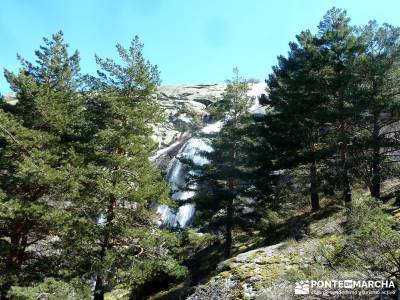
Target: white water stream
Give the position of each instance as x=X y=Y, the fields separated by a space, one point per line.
x=177 y=171
x=176 y=176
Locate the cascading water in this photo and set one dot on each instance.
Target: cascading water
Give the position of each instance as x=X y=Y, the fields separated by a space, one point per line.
x=176 y=176
x=177 y=171
x=167 y=215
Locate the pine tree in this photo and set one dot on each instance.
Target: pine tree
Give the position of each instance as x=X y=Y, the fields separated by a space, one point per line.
x=226 y=177
x=314 y=93
x=340 y=47
x=378 y=89
x=115 y=239
x=77 y=183
x=35 y=178
x=300 y=111
x=46 y=91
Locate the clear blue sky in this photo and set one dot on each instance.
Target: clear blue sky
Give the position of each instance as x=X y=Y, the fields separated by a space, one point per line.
x=192 y=41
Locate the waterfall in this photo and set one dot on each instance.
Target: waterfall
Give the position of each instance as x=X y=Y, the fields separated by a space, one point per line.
x=167 y=215
x=213 y=128
x=185 y=215
x=177 y=171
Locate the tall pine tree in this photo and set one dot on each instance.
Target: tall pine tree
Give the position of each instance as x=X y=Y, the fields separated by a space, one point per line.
x=378 y=88
x=35 y=174
x=299 y=111
x=225 y=177
x=340 y=47
x=116 y=241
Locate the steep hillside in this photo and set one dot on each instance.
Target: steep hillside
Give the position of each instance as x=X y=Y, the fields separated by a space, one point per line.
x=270 y=272
x=311 y=246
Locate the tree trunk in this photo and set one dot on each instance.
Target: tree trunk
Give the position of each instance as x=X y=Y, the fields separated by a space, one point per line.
x=229 y=209
x=15 y=258
x=345 y=181
x=99 y=291
x=346 y=190
x=314 y=186
x=397 y=202
x=376 y=161
x=343 y=151
x=228 y=233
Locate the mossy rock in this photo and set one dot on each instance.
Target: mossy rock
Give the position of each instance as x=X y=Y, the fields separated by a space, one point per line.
x=178 y=291
x=225 y=274
x=117 y=294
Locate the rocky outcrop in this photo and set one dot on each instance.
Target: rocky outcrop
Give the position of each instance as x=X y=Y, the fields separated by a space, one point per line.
x=272 y=272
x=201 y=93
x=185 y=107
x=183 y=102
x=263 y=273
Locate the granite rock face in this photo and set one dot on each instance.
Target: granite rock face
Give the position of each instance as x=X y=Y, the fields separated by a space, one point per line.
x=185 y=107
x=201 y=93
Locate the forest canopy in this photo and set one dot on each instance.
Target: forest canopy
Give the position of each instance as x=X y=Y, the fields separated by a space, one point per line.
x=80 y=191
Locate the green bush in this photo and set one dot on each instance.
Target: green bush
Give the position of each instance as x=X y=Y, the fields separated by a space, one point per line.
x=52 y=289
x=372 y=246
